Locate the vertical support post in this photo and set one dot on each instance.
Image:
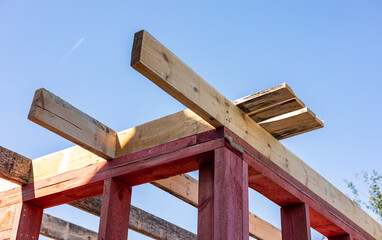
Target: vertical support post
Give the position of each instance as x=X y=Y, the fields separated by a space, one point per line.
x=27 y=222
x=223 y=197
x=295 y=223
x=115 y=210
x=343 y=237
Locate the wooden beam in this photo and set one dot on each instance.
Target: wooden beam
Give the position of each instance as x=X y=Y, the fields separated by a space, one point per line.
x=14 y=167
x=140 y=221
x=223 y=197
x=59 y=229
x=185 y=188
x=161 y=66
x=292 y=123
x=295 y=222
x=115 y=210
x=265 y=99
x=60 y=117
x=27 y=222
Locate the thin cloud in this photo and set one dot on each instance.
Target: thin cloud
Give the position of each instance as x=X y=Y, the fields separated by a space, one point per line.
x=72 y=50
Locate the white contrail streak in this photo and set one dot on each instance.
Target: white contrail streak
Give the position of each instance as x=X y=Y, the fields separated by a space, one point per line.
x=72 y=50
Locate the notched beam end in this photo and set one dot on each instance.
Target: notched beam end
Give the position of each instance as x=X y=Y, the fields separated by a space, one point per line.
x=60 y=117
x=14 y=167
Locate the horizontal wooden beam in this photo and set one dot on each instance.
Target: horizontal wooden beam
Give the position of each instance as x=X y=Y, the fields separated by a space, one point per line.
x=140 y=221
x=162 y=67
x=185 y=187
x=14 y=167
x=60 y=229
x=60 y=117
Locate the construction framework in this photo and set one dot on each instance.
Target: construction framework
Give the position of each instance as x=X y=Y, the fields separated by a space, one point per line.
x=234 y=145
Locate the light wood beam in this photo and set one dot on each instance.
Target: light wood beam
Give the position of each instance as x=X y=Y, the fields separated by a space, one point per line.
x=161 y=66
x=14 y=167
x=60 y=117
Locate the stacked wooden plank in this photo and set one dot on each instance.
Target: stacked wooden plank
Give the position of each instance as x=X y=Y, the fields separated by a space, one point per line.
x=279 y=111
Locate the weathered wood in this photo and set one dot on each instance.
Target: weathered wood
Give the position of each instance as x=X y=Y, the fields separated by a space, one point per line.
x=140 y=221
x=60 y=117
x=295 y=222
x=276 y=110
x=115 y=210
x=14 y=167
x=264 y=99
x=223 y=197
x=27 y=222
x=59 y=229
x=161 y=66
x=292 y=123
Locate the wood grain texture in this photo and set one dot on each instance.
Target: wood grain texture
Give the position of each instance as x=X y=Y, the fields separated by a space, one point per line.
x=295 y=223
x=14 y=167
x=185 y=188
x=264 y=99
x=161 y=66
x=223 y=197
x=276 y=110
x=27 y=222
x=292 y=123
x=53 y=113
x=115 y=210
x=140 y=221
x=60 y=229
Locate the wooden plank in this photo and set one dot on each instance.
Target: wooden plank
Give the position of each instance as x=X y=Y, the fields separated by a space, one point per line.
x=182 y=186
x=292 y=123
x=223 y=197
x=53 y=113
x=115 y=210
x=276 y=110
x=14 y=167
x=140 y=221
x=156 y=62
x=264 y=99
x=27 y=222
x=262 y=230
x=295 y=222
x=59 y=229
x=7 y=215
x=185 y=188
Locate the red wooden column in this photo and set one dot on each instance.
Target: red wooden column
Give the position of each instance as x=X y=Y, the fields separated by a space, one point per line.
x=344 y=237
x=115 y=210
x=27 y=222
x=223 y=197
x=295 y=223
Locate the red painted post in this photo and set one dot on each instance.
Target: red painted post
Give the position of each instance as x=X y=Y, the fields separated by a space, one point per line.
x=27 y=222
x=295 y=223
x=115 y=210
x=343 y=237
x=223 y=197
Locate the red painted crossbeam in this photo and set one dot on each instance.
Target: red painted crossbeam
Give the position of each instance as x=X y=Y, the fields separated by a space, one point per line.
x=183 y=156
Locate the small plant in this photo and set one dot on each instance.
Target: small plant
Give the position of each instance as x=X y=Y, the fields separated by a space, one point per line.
x=374 y=183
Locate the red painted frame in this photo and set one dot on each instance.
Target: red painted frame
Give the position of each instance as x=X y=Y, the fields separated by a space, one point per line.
x=182 y=156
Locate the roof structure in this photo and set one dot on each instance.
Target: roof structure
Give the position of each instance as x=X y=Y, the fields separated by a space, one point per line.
x=234 y=145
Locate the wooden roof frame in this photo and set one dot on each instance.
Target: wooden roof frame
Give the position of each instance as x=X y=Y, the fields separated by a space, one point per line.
x=222 y=132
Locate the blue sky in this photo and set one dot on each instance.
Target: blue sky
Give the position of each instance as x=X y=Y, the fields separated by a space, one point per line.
x=329 y=52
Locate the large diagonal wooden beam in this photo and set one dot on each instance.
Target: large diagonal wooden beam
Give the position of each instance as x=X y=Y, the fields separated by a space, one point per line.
x=161 y=66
